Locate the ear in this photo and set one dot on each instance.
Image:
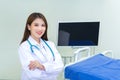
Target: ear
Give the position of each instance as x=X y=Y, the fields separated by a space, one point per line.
x=28 y=26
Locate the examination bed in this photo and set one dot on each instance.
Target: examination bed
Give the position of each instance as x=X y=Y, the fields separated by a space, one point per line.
x=97 y=67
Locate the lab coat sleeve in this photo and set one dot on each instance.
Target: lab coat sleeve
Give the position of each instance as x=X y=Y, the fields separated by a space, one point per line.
x=54 y=66
x=25 y=58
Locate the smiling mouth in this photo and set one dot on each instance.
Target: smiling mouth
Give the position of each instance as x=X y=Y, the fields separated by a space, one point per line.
x=39 y=33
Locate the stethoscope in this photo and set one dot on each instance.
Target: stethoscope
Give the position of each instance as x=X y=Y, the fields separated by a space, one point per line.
x=31 y=48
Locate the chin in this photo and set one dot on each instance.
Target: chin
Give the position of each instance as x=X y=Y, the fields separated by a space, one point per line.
x=39 y=36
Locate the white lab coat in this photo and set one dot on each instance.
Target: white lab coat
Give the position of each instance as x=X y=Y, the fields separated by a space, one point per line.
x=44 y=56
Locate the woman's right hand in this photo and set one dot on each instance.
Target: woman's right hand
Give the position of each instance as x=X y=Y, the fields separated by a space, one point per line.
x=35 y=64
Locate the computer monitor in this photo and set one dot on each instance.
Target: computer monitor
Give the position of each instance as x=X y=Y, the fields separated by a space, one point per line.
x=78 y=33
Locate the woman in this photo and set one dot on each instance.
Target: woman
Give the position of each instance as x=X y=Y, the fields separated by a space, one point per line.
x=39 y=57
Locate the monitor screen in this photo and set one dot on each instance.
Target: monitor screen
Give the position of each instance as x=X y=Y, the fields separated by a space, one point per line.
x=78 y=33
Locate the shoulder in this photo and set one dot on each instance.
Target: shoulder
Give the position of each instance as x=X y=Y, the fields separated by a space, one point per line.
x=24 y=45
x=50 y=43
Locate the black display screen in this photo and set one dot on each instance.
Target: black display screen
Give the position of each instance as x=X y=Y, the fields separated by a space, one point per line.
x=78 y=33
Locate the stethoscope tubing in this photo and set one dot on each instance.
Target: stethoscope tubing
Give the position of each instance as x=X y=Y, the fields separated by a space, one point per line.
x=31 y=48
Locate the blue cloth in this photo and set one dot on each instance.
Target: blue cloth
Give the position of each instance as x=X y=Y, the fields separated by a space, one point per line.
x=98 y=67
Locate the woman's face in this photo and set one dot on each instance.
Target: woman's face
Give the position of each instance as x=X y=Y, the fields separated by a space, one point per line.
x=37 y=28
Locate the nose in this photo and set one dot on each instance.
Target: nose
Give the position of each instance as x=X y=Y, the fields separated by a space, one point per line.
x=40 y=27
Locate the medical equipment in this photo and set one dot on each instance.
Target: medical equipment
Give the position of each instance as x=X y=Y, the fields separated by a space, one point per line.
x=77 y=54
x=31 y=48
x=68 y=60
x=97 y=67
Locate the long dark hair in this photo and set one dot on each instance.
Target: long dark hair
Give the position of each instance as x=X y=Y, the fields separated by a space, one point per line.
x=30 y=19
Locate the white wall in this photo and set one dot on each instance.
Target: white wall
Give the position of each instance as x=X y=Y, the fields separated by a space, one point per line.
x=13 y=15
x=110 y=22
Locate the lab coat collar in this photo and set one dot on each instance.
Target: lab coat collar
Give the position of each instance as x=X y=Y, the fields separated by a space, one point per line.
x=33 y=42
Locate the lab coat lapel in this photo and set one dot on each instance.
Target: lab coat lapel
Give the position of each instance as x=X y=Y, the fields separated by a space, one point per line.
x=40 y=55
x=48 y=53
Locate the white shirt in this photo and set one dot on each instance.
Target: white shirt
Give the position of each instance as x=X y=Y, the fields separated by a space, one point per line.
x=44 y=56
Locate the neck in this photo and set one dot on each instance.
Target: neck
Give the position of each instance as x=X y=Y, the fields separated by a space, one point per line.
x=36 y=39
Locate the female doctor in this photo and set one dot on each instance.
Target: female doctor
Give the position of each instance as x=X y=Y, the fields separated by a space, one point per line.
x=39 y=57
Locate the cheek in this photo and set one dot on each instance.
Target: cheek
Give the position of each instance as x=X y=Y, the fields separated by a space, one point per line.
x=33 y=30
x=44 y=29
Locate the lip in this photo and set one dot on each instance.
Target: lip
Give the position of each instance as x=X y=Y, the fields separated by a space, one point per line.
x=39 y=33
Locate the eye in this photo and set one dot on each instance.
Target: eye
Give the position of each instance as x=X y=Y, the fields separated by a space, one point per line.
x=43 y=25
x=36 y=24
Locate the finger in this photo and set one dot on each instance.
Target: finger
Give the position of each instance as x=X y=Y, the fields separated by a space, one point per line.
x=32 y=66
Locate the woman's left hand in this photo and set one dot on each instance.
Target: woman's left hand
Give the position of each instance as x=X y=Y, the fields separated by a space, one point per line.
x=35 y=64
